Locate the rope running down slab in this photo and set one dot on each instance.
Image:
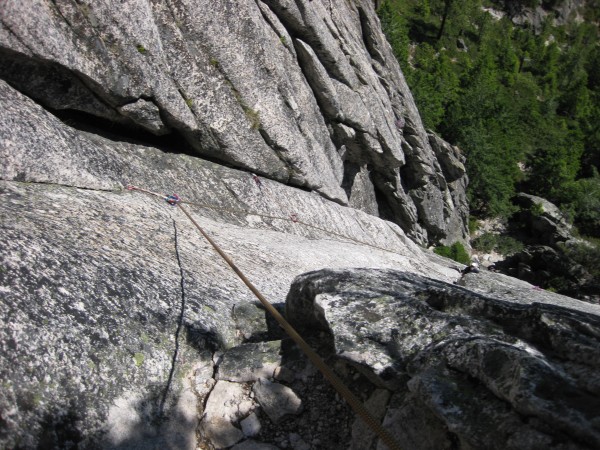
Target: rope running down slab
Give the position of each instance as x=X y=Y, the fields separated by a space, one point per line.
x=292 y=217
x=335 y=381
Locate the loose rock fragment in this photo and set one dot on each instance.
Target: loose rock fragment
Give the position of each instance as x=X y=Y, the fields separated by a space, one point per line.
x=249 y=362
x=276 y=399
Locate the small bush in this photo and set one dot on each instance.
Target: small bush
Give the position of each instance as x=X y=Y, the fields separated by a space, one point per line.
x=583 y=204
x=537 y=209
x=456 y=251
x=473 y=224
x=140 y=48
x=139 y=359
x=509 y=246
x=586 y=254
x=486 y=242
x=253 y=117
x=505 y=245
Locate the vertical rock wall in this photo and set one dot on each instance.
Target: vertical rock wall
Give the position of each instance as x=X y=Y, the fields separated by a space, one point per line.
x=304 y=92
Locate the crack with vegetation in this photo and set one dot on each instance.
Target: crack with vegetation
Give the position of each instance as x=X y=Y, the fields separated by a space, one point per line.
x=252 y=115
x=254 y=119
x=282 y=38
x=75 y=28
x=328 y=61
x=279 y=151
x=60 y=13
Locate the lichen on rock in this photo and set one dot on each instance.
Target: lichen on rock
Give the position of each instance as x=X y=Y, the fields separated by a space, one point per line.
x=491 y=373
x=288 y=130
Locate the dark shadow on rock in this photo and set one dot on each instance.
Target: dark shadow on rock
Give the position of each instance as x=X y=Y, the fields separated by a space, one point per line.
x=201 y=338
x=59 y=429
x=155 y=425
x=149 y=423
x=274 y=330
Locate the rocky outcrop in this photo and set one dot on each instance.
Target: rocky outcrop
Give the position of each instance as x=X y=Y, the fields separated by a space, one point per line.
x=456 y=212
x=303 y=92
x=463 y=370
x=560 y=12
x=542 y=265
x=549 y=258
x=542 y=221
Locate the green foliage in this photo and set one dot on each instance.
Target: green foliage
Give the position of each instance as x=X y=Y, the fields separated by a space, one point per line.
x=140 y=48
x=139 y=359
x=504 y=245
x=456 y=251
x=536 y=210
x=586 y=254
x=253 y=117
x=516 y=97
x=473 y=225
x=584 y=204
x=485 y=243
x=395 y=27
x=436 y=84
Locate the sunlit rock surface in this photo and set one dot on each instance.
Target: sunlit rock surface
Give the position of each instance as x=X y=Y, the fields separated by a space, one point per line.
x=288 y=130
x=471 y=371
x=304 y=92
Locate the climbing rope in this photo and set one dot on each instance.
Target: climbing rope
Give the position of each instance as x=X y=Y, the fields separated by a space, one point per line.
x=336 y=382
x=292 y=217
x=238 y=211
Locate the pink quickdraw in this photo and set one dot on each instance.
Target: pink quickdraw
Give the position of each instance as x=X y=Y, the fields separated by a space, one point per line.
x=294 y=217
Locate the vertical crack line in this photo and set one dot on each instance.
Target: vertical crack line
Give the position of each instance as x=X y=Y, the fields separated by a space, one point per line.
x=179 y=323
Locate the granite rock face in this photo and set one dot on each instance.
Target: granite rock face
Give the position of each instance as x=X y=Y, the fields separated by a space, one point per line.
x=543 y=222
x=116 y=310
x=465 y=370
x=287 y=128
x=547 y=260
x=456 y=206
x=304 y=92
x=122 y=324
